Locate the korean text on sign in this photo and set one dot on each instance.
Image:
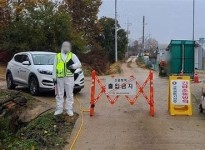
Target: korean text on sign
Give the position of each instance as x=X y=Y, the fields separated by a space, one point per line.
x=180 y=92
x=120 y=86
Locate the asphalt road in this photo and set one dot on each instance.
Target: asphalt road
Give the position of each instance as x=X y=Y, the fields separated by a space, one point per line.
x=122 y=126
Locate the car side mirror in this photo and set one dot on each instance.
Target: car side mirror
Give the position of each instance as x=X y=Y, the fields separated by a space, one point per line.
x=26 y=63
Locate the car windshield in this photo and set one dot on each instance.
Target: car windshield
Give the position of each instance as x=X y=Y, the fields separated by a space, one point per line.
x=43 y=59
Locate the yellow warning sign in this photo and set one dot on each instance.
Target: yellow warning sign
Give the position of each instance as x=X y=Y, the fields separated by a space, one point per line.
x=179 y=100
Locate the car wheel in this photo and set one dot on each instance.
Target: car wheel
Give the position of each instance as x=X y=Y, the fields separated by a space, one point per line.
x=9 y=81
x=76 y=91
x=33 y=86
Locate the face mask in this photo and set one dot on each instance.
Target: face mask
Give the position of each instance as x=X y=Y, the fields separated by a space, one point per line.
x=66 y=47
x=66 y=50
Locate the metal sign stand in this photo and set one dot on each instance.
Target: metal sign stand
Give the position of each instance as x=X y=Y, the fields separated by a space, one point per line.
x=179 y=99
x=116 y=89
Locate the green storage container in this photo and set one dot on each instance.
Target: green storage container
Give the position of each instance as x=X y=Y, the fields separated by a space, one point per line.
x=181 y=57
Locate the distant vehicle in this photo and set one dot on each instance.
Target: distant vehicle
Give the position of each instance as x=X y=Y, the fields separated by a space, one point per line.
x=163 y=68
x=34 y=70
x=162 y=60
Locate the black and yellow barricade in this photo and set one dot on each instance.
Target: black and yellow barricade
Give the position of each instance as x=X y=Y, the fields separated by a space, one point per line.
x=179 y=99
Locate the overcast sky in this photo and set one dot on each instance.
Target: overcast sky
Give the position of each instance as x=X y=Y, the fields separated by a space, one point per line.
x=166 y=19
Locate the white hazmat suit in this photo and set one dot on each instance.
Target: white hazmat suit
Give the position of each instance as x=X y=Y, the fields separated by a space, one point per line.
x=65 y=84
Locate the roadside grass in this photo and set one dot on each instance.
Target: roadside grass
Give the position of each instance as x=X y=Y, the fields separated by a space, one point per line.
x=44 y=132
x=141 y=63
x=115 y=69
x=87 y=70
x=48 y=131
x=2 y=70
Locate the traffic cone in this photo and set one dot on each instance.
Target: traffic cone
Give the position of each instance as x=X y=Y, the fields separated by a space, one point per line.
x=196 y=78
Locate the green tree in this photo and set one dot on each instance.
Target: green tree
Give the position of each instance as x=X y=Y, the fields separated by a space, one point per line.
x=43 y=27
x=5 y=17
x=84 y=18
x=122 y=43
x=107 y=39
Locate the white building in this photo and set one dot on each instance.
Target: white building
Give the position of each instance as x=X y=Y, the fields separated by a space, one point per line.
x=199 y=54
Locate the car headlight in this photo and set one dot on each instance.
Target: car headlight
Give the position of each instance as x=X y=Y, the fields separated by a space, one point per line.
x=47 y=72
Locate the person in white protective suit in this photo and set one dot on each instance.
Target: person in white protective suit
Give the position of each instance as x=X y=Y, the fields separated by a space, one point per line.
x=63 y=75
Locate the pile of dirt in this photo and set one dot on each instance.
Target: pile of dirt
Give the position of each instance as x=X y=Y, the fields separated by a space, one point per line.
x=30 y=124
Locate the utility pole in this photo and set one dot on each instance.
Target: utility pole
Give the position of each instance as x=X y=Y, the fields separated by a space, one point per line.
x=128 y=32
x=116 y=58
x=193 y=20
x=143 y=32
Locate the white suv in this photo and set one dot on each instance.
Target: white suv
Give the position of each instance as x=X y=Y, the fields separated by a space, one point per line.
x=34 y=70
